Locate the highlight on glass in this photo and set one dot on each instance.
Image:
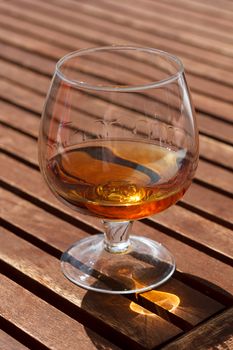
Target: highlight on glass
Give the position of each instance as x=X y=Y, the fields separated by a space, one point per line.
x=118 y=141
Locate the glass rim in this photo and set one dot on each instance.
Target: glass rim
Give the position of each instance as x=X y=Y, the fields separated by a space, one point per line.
x=127 y=88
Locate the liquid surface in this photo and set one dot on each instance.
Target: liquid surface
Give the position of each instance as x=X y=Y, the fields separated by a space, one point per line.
x=119 y=179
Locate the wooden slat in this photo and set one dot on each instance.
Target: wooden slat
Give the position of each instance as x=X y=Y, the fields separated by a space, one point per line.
x=189 y=64
x=211 y=127
x=209 y=148
x=30 y=180
x=207 y=124
x=31 y=44
x=226 y=4
x=111 y=310
x=16 y=145
x=11 y=115
x=214 y=150
x=204 y=8
x=56 y=330
x=199 y=17
x=22 y=97
x=196 y=228
x=27 y=59
x=15 y=73
x=215 y=176
x=149 y=21
x=19 y=119
x=211 y=105
x=149 y=13
x=212 y=203
x=216 y=3
x=184 y=36
x=37 y=228
x=183 y=226
x=215 y=334
x=9 y=343
x=43 y=228
x=192 y=261
x=200 y=264
x=45 y=34
x=209 y=88
x=193 y=306
x=203 y=103
x=195 y=81
x=199 y=197
x=192 y=226
x=169 y=11
x=172 y=12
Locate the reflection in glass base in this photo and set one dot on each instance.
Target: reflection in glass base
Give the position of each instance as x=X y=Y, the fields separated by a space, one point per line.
x=144 y=266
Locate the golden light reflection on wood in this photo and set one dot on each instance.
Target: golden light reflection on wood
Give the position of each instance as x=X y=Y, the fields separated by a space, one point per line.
x=165 y=300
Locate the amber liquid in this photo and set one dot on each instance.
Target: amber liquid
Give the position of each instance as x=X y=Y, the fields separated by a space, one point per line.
x=116 y=179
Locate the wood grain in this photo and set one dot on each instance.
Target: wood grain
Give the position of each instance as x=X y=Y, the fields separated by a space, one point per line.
x=42 y=66
x=197 y=229
x=9 y=343
x=146 y=22
x=193 y=226
x=60 y=235
x=210 y=149
x=11 y=116
x=207 y=124
x=215 y=334
x=111 y=310
x=209 y=173
x=201 y=264
x=88 y=35
x=24 y=58
x=39 y=308
x=198 y=197
x=203 y=8
x=212 y=203
x=55 y=331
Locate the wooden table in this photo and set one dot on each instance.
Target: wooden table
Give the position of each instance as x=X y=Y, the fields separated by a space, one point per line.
x=39 y=308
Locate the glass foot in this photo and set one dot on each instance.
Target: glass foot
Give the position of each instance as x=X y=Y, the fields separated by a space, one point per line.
x=145 y=265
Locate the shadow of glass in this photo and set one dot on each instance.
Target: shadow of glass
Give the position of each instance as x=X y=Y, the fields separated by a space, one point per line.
x=206 y=287
x=125 y=316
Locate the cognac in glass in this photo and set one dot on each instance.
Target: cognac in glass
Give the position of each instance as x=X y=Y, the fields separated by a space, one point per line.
x=118 y=141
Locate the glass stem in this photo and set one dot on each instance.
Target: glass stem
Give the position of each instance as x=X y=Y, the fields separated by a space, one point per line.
x=116 y=234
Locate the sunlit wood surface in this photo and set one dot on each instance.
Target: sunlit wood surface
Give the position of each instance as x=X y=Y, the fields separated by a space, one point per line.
x=39 y=308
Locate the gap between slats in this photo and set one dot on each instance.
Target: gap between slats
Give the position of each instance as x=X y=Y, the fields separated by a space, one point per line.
x=50 y=320
x=62 y=12
x=70 y=299
x=207 y=159
x=21 y=336
x=43 y=235
x=39 y=202
x=38 y=107
x=217 y=117
x=99 y=43
x=187 y=205
x=62 y=304
x=26 y=235
x=197 y=245
x=76 y=222
x=37 y=169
